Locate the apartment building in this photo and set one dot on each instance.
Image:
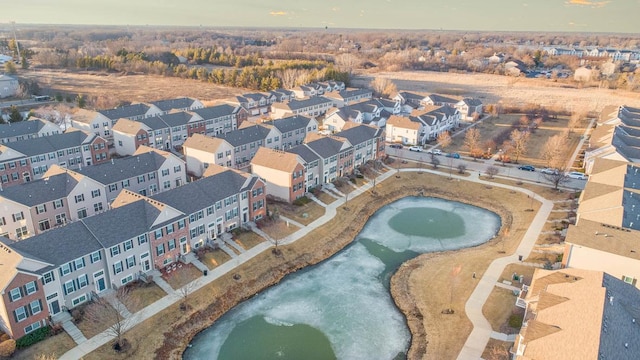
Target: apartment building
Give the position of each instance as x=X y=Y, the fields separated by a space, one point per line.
x=24 y=130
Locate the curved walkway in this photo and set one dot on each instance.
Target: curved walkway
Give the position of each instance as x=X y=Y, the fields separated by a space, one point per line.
x=478 y=338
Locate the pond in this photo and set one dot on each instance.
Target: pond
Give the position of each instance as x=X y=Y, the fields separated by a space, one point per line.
x=341 y=308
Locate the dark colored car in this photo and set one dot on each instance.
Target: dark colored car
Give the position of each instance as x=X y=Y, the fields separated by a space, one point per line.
x=527 y=168
x=453 y=155
x=395 y=146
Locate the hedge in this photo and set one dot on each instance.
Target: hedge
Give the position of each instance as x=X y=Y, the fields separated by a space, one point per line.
x=33 y=337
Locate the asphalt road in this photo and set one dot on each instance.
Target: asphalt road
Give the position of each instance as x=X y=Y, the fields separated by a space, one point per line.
x=480 y=166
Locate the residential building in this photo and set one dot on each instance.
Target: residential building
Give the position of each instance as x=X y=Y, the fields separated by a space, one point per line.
x=313 y=107
x=372 y=112
x=200 y=151
x=38 y=206
x=247 y=140
x=217 y=203
x=422 y=126
x=283 y=172
x=312 y=166
x=470 y=109
x=148 y=171
x=335 y=153
x=294 y=129
x=223 y=118
x=348 y=96
x=256 y=104
x=25 y=130
x=180 y=104
x=8 y=86
x=404 y=130
x=25 y=160
x=439 y=100
x=282 y=95
x=578 y=314
x=101 y=122
x=367 y=142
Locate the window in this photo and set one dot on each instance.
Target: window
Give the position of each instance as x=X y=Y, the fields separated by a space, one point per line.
x=181 y=224
x=79 y=263
x=15 y=294
x=96 y=256
x=125 y=183
x=30 y=287
x=36 y=325
x=65 y=269
x=18 y=216
x=169 y=229
x=209 y=210
x=95 y=193
x=44 y=225
x=35 y=306
x=153 y=188
x=69 y=287
x=57 y=204
x=126 y=279
x=176 y=169
x=131 y=261
x=628 y=279
x=20 y=313
x=79 y=198
x=140 y=179
x=142 y=239
x=166 y=185
x=82 y=213
x=117 y=267
x=113 y=187
x=48 y=277
x=172 y=244
x=165 y=172
x=152 y=176
x=61 y=219
x=22 y=231
x=160 y=250
x=41 y=208
x=83 y=281
x=97 y=207
x=157 y=233
x=79 y=300
x=128 y=245
x=115 y=250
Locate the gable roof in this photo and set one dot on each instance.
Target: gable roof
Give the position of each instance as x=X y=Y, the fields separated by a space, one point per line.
x=326 y=146
x=31 y=126
x=290 y=123
x=203 y=142
x=276 y=159
x=216 y=111
x=125 y=168
x=246 y=135
x=303 y=103
x=170 y=104
x=404 y=122
x=126 y=111
x=52 y=143
x=304 y=152
x=127 y=126
x=41 y=191
x=359 y=134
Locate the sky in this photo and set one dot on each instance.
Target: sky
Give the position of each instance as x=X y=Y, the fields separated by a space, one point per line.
x=482 y=15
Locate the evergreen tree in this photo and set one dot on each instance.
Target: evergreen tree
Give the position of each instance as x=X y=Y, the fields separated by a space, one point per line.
x=14 y=115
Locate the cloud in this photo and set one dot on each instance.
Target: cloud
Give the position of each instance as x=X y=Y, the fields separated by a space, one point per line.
x=593 y=4
x=278 y=13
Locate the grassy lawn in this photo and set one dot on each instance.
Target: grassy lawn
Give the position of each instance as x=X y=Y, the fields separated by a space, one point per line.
x=497 y=350
x=312 y=210
x=146 y=294
x=186 y=274
x=53 y=347
x=279 y=229
x=248 y=239
x=325 y=198
x=214 y=258
x=91 y=328
x=497 y=309
x=527 y=271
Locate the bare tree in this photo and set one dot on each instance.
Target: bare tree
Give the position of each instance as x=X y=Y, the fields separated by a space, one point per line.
x=557 y=178
x=492 y=171
x=383 y=87
x=110 y=309
x=575 y=120
x=444 y=140
x=472 y=141
x=347 y=62
x=289 y=78
x=462 y=168
x=188 y=287
x=553 y=149
x=435 y=161
x=519 y=141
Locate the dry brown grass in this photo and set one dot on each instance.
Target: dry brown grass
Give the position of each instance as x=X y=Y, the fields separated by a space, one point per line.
x=91 y=328
x=248 y=239
x=53 y=346
x=325 y=198
x=497 y=350
x=527 y=271
x=180 y=277
x=145 y=294
x=214 y=258
x=446 y=333
x=293 y=212
x=279 y=229
x=498 y=308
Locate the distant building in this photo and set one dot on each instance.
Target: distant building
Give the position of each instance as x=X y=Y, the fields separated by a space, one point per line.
x=8 y=86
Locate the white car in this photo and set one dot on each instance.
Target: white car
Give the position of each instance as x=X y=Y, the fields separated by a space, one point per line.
x=435 y=152
x=415 y=148
x=549 y=171
x=577 y=175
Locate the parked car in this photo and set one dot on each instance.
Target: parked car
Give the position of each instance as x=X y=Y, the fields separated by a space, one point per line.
x=395 y=146
x=549 y=171
x=435 y=152
x=577 y=175
x=527 y=168
x=415 y=148
x=453 y=155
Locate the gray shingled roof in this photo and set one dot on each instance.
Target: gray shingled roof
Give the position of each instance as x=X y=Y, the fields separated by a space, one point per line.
x=126 y=111
x=291 y=123
x=312 y=101
x=305 y=153
x=59 y=246
x=21 y=128
x=632 y=177
x=41 y=191
x=170 y=104
x=202 y=193
x=325 y=147
x=358 y=134
x=214 y=112
x=176 y=119
x=618 y=325
x=442 y=99
x=47 y=144
x=245 y=135
x=125 y=168
x=472 y=101
x=411 y=96
x=154 y=122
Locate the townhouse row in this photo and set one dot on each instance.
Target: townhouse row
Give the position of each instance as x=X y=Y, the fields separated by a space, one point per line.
x=65 y=267
x=64 y=195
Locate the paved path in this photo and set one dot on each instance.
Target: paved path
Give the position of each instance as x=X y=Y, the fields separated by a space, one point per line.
x=476 y=342
x=71 y=328
x=162 y=283
x=191 y=258
x=583 y=138
x=291 y=221
x=223 y=246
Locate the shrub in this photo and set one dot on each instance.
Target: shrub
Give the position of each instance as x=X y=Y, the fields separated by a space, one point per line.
x=301 y=201
x=33 y=337
x=7 y=348
x=515 y=321
x=4 y=337
x=353 y=180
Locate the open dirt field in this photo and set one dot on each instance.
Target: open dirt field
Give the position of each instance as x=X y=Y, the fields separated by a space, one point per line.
x=510 y=90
